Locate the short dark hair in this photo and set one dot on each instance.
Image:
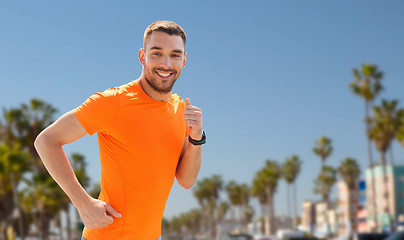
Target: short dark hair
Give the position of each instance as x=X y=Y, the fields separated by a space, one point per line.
x=168 y=27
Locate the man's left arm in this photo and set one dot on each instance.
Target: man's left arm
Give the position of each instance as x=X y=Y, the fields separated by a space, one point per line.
x=190 y=159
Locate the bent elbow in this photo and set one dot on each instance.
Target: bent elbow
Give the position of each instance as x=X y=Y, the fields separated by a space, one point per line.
x=40 y=140
x=186 y=185
x=37 y=141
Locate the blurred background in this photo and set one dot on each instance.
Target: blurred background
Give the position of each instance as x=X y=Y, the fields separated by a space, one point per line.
x=302 y=103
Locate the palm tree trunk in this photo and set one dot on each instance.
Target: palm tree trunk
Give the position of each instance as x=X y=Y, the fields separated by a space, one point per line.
x=294 y=205
x=350 y=220
x=68 y=223
x=272 y=220
x=372 y=176
x=391 y=155
x=386 y=192
x=3 y=233
x=59 y=225
x=288 y=199
x=17 y=204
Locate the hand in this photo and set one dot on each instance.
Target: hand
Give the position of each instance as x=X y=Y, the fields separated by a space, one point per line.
x=97 y=214
x=193 y=119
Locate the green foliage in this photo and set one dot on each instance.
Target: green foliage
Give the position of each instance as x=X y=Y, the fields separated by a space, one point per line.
x=385 y=124
x=41 y=198
x=291 y=169
x=269 y=176
x=233 y=191
x=323 y=148
x=95 y=190
x=325 y=181
x=249 y=213
x=400 y=132
x=349 y=171
x=222 y=210
x=367 y=82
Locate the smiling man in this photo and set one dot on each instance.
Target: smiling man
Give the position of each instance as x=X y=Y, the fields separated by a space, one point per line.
x=147 y=137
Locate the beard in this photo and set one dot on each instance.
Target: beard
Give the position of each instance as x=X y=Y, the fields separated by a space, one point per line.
x=158 y=85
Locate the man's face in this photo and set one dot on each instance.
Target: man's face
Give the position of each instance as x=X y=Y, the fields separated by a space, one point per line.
x=163 y=59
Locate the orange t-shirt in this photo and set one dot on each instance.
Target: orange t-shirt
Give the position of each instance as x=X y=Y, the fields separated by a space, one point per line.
x=140 y=141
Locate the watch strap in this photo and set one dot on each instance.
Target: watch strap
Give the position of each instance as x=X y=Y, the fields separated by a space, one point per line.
x=198 y=142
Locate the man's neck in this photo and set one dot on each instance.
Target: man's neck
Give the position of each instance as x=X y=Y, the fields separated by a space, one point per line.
x=163 y=97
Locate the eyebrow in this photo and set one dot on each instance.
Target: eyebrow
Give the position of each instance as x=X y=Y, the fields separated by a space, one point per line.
x=159 y=48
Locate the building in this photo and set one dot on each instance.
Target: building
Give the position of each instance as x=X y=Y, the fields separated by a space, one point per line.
x=362 y=224
x=332 y=218
x=308 y=216
x=389 y=196
x=322 y=212
x=348 y=203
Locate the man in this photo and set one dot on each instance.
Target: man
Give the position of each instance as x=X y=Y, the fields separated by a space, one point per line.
x=147 y=136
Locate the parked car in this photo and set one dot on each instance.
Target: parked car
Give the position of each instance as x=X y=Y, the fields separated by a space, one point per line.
x=265 y=237
x=370 y=236
x=396 y=236
x=241 y=236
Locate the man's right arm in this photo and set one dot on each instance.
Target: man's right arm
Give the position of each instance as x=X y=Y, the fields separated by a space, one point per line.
x=67 y=129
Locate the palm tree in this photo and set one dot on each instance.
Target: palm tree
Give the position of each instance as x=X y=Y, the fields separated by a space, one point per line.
x=349 y=171
x=37 y=115
x=15 y=158
x=222 y=211
x=248 y=213
x=13 y=164
x=45 y=195
x=258 y=191
x=400 y=132
x=195 y=216
x=269 y=176
x=221 y=216
x=367 y=85
x=323 y=149
x=290 y=171
x=245 y=198
x=175 y=225
x=234 y=195
x=207 y=193
x=22 y=125
x=79 y=167
x=383 y=128
x=324 y=182
x=216 y=184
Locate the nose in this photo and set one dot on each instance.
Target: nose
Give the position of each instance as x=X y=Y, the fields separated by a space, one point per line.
x=165 y=62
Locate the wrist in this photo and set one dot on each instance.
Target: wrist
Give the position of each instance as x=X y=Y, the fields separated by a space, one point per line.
x=198 y=141
x=80 y=202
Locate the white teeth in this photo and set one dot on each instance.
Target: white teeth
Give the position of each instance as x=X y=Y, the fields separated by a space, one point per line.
x=164 y=74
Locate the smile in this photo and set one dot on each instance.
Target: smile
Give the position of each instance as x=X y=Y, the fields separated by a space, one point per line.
x=164 y=74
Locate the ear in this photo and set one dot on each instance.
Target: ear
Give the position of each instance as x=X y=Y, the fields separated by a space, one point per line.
x=141 y=56
x=185 y=60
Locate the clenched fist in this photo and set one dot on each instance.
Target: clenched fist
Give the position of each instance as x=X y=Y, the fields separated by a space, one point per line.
x=97 y=214
x=193 y=119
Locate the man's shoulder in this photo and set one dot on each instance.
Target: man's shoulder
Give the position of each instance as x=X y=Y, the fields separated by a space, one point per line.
x=122 y=89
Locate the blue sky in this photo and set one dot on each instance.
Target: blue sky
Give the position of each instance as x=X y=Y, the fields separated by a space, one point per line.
x=270 y=76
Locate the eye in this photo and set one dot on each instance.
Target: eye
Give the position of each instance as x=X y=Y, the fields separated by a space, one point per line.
x=156 y=54
x=175 y=55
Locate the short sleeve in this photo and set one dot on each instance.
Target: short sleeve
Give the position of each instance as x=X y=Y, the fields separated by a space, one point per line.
x=99 y=111
x=183 y=106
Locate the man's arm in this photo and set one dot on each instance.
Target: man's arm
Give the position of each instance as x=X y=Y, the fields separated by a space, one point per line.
x=190 y=159
x=67 y=129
